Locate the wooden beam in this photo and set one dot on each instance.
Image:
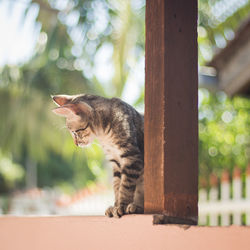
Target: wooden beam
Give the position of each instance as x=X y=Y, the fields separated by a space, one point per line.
x=234 y=75
x=171 y=109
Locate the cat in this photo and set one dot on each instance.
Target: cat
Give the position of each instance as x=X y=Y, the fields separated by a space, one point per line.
x=120 y=130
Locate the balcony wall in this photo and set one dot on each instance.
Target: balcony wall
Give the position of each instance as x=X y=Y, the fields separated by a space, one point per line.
x=129 y=232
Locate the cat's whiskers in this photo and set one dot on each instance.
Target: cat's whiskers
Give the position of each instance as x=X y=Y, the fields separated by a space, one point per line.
x=63 y=127
x=96 y=144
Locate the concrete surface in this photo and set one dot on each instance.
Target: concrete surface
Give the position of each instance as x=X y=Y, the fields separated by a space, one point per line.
x=130 y=232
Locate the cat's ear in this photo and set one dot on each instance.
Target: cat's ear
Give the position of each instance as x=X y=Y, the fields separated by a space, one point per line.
x=73 y=110
x=61 y=100
x=63 y=111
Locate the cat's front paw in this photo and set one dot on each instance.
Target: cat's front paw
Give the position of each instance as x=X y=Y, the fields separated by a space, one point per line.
x=109 y=211
x=134 y=209
x=116 y=211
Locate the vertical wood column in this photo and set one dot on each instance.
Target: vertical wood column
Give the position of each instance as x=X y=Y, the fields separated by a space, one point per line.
x=171 y=109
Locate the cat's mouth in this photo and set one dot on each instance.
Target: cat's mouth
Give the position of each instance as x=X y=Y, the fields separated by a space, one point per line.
x=84 y=144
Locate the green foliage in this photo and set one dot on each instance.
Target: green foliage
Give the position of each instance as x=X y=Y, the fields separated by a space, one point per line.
x=224 y=139
x=10 y=173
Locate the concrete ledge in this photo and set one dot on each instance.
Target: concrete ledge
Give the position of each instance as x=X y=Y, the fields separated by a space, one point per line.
x=131 y=232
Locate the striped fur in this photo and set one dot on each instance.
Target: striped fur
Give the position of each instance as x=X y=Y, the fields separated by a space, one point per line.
x=120 y=130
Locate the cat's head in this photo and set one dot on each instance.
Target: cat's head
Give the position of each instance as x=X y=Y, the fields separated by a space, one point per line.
x=78 y=116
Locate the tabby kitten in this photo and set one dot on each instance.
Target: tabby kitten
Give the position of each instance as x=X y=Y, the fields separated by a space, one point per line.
x=120 y=130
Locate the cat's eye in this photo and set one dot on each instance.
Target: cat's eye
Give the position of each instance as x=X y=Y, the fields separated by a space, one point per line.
x=81 y=129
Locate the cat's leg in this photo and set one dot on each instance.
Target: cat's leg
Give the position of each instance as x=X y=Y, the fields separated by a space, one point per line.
x=137 y=206
x=131 y=172
x=116 y=186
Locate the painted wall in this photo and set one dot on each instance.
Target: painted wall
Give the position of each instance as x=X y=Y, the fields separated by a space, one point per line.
x=129 y=232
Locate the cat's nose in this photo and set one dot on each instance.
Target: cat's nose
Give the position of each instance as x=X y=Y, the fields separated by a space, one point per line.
x=75 y=141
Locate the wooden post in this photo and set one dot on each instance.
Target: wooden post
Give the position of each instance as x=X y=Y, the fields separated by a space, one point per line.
x=171 y=110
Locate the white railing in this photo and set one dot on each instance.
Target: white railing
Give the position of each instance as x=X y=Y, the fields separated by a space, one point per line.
x=225 y=204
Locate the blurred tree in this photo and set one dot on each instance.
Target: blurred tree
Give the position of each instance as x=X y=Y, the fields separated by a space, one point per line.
x=224 y=139
x=73 y=36
x=93 y=46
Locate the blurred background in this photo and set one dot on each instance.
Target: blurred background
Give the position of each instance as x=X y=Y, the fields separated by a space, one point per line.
x=98 y=47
